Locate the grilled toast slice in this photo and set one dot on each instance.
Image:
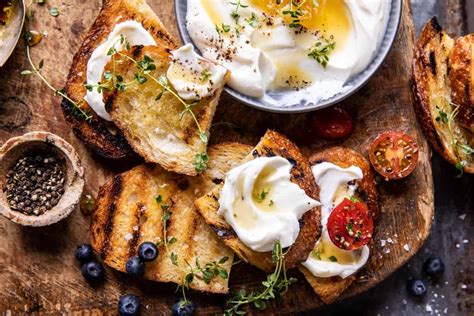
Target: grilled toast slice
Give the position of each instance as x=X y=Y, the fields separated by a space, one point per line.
x=159 y=130
x=329 y=289
x=436 y=91
x=130 y=209
x=102 y=136
x=271 y=144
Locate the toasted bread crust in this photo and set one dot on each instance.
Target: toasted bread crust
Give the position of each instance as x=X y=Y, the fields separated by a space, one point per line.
x=329 y=289
x=272 y=144
x=97 y=133
x=462 y=79
x=128 y=214
x=140 y=124
x=432 y=93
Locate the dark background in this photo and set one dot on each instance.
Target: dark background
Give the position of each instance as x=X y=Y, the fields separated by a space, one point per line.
x=452 y=234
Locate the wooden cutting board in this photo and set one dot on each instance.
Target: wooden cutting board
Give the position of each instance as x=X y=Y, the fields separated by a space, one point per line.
x=38 y=271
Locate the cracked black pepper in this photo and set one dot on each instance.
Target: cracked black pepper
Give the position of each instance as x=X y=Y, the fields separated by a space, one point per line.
x=35 y=183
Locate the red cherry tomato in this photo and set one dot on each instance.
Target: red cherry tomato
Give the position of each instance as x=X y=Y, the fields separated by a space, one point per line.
x=332 y=123
x=349 y=225
x=394 y=155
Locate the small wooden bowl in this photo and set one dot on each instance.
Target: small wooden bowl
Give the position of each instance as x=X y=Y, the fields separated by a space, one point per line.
x=15 y=148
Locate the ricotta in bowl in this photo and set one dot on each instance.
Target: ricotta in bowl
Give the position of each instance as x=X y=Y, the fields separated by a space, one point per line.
x=283 y=52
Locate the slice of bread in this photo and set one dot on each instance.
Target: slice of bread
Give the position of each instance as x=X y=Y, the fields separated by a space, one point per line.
x=127 y=213
x=157 y=129
x=439 y=99
x=329 y=289
x=272 y=144
x=102 y=136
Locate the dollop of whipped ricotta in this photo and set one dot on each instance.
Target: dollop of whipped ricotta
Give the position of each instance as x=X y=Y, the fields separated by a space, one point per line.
x=192 y=76
x=135 y=34
x=328 y=260
x=268 y=52
x=261 y=203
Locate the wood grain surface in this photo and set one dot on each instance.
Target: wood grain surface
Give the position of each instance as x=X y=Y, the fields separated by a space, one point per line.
x=38 y=271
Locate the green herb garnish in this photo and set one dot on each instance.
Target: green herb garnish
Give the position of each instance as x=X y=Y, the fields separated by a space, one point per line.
x=332 y=259
x=321 y=50
x=200 y=162
x=54 y=12
x=275 y=285
x=262 y=195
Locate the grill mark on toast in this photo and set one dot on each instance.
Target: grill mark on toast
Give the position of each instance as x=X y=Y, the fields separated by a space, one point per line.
x=433 y=62
x=137 y=50
x=223 y=232
x=109 y=225
x=133 y=243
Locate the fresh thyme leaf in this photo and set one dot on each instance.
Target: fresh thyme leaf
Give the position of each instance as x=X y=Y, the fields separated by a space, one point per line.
x=53 y=11
x=203 y=136
x=159 y=198
x=235 y=13
x=206 y=75
x=321 y=50
x=160 y=95
x=443 y=117
x=295 y=12
x=350 y=227
x=354 y=199
x=174 y=258
x=140 y=79
x=254 y=21
x=200 y=162
x=332 y=259
x=225 y=27
x=41 y=64
x=467 y=149
x=262 y=195
x=316 y=253
x=26 y=72
x=276 y=284
x=271 y=203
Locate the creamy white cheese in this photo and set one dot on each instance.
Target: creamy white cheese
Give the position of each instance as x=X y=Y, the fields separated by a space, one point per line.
x=261 y=203
x=327 y=259
x=266 y=56
x=136 y=35
x=192 y=76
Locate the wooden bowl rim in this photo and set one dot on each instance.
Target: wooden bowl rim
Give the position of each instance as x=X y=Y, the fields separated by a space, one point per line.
x=74 y=180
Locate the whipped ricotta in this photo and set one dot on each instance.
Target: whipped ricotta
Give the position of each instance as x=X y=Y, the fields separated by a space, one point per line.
x=328 y=260
x=267 y=55
x=261 y=203
x=192 y=76
x=135 y=34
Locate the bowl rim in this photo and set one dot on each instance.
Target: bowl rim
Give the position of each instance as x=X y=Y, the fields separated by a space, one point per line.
x=377 y=61
x=9 y=51
x=73 y=186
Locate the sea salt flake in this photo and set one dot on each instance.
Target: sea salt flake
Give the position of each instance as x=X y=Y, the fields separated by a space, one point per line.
x=463 y=286
x=462 y=216
x=390 y=240
x=404 y=302
x=387 y=250
x=135 y=228
x=383 y=242
x=465 y=241
x=128 y=237
x=445 y=310
x=458 y=246
x=406 y=247
x=428 y=308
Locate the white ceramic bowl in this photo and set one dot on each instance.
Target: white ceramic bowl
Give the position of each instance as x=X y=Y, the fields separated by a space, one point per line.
x=354 y=84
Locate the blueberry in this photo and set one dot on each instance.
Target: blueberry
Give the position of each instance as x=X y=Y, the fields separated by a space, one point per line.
x=183 y=308
x=417 y=287
x=128 y=305
x=135 y=266
x=84 y=253
x=433 y=266
x=93 y=271
x=147 y=251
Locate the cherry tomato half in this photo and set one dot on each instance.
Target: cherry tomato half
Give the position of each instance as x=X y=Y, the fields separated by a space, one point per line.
x=332 y=123
x=349 y=225
x=394 y=155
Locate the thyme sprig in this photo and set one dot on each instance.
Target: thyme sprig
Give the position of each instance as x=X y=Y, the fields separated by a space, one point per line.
x=296 y=13
x=206 y=273
x=448 y=119
x=321 y=50
x=77 y=110
x=276 y=284
x=235 y=13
